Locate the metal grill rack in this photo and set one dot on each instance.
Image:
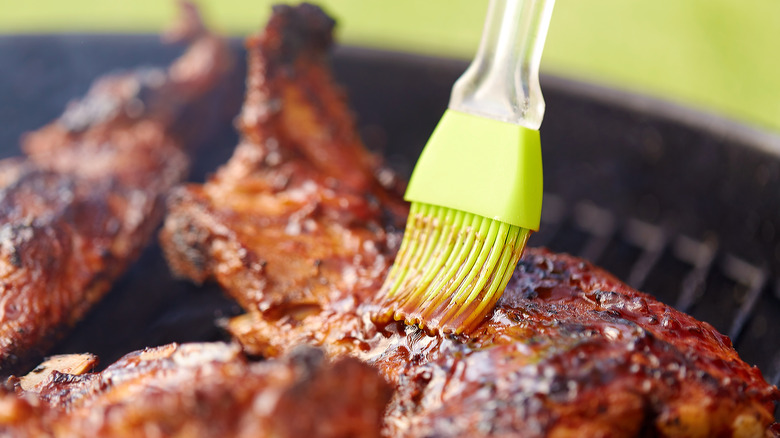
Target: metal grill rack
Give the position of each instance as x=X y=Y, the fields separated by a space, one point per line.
x=676 y=203
x=736 y=297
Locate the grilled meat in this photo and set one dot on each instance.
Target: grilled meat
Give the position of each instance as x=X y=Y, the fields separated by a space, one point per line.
x=90 y=193
x=197 y=390
x=301 y=225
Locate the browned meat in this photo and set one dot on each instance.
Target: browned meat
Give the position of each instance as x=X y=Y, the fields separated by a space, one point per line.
x=298 y=228
x=197 y=390
x=90 y=193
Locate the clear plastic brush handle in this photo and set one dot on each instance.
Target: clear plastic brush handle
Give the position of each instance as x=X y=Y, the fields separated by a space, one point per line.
x=502 y=82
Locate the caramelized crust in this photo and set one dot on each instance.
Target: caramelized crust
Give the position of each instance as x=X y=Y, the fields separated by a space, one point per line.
x=199 y=390
x=90 y=192
x=298 y=229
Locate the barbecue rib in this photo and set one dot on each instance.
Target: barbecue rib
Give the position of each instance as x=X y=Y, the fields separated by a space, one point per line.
x=90 y=193
x=301 y=225
x=197 y=390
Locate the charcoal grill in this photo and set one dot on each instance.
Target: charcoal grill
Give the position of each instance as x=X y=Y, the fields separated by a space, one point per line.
x=678 y=203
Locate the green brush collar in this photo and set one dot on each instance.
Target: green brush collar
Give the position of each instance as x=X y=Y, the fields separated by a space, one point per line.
x=481 y=166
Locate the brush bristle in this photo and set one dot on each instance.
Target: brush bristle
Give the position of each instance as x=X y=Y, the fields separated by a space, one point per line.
x=451 y=269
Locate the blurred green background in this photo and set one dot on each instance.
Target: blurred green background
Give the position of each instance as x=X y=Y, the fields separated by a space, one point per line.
x=722 y=56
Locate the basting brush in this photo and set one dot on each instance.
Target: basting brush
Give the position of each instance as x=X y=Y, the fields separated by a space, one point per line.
x=476 y=191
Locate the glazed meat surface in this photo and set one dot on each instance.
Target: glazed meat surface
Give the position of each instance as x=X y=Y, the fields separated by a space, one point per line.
x=301 y=225
x=77 y=210
x=197 y=390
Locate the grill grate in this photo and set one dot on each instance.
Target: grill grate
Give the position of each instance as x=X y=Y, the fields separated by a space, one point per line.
x=639 y=162
x=675 y=268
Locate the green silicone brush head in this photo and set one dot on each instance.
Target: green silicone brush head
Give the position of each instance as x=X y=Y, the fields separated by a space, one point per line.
x=464 y=237
x=476 y=191
x=451 y=269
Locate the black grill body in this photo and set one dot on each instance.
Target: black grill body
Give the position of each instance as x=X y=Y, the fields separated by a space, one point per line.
x=678 y=203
